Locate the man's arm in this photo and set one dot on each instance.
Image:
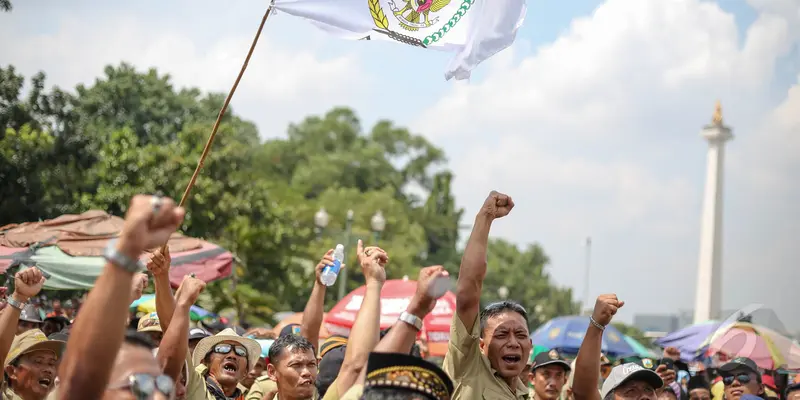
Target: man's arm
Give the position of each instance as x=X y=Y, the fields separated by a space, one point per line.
x=587 y=364
x=174 y=345
x=473 y=263
x=402 y=336
x=165 y=302
x=315 y=307
x=366 y=328
x=27 y=284
x=98 y=334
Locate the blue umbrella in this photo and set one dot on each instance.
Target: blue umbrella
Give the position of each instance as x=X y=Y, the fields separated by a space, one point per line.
x=566 y=334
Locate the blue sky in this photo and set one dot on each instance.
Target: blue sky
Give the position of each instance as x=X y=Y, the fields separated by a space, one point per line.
x=591 y=120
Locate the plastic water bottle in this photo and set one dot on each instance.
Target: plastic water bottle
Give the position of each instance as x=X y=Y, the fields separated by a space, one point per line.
x=330 y=272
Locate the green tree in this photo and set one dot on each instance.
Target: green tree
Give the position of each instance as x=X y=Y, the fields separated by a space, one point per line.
x=5 y=5
x=133 y=132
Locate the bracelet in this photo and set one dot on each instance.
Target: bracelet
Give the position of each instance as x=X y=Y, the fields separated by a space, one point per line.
x=121 y=260
x=16 y=304
x=596 y=324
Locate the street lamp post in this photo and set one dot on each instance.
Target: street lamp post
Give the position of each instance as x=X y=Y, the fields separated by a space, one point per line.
x=378 y=224
x=348 y=226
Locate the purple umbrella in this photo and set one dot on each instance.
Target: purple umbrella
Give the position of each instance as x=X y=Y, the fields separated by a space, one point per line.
x=690 y=340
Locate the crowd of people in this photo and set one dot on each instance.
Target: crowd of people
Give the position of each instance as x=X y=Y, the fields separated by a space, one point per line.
x=94 y=355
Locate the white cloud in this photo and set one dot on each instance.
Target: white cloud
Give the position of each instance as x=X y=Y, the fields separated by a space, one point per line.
x=597 y=133
x=281 y=83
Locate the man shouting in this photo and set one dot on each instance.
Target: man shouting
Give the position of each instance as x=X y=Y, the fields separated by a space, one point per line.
x=486 y=355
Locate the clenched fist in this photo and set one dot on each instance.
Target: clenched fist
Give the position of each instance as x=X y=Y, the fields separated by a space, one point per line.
x=138 y=284
x=424 y=299
x=497 y=205
x=159 y=263
x=605 y=307
x=149 y=222
x=28 y=283
x=189 y=290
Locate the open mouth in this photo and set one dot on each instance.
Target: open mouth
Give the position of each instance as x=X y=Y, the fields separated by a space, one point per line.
x=512 y=359
x=305 y=382
x=736 y=392
x=45 y=382
x=230 y=367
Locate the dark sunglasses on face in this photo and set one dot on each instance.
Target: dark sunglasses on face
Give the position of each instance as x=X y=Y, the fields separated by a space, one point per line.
x=144 y=386
x=226 y=348
x=742 y=378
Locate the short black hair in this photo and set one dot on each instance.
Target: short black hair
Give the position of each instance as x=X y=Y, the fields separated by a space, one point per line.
x=501 y=307
x=383 y=393
x=134 y=338
x=296 y=342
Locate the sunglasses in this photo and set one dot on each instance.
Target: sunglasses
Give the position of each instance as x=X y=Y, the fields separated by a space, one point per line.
x=224 y=348
x=742 y=378
x=144 y=386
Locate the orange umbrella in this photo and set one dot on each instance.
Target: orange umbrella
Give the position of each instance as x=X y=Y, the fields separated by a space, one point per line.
x=297 y=318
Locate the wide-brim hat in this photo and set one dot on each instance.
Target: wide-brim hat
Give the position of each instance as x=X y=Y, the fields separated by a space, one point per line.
x=551 y=357
x=30 y=341
x=228 y=335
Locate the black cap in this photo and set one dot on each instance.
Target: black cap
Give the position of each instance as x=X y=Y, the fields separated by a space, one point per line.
x=406 y=372
x=329 y=365
x=291 y=329
x=697 y=382
x=739 y=363
x=331 y=343
x=198 y=333
x=30 y=314
x=551 y=357
x=791 y=388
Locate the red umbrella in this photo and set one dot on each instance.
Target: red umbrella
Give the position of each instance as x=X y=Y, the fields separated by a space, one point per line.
x=396 y=294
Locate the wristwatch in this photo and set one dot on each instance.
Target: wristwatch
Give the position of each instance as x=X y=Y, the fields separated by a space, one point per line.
x=411 y=319
x=16 y=304
x=121 y=260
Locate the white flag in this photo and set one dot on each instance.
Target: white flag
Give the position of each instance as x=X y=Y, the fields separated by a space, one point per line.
x=474 y=29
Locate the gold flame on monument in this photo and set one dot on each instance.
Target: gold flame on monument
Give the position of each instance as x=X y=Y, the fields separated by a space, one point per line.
x=717 y=118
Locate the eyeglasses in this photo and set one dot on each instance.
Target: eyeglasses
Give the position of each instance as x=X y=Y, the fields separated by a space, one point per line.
x=224 y=348
x=742 y=378
x=144 y=386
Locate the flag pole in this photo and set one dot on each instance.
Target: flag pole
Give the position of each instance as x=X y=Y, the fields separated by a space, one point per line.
x=224 y=108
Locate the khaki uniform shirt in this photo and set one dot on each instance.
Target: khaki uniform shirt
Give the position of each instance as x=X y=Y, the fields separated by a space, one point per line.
x=354 y=393
x=470 y=370
x=196 y=383
x=8 y=394
x=263 y=385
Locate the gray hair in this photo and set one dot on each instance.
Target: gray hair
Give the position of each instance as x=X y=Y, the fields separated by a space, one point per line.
x=609 y=396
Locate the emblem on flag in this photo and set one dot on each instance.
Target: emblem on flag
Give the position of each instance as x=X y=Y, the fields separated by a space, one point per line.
x=417 y=22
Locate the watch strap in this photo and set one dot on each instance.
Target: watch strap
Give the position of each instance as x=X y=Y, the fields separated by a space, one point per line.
x=121 y=260
x=411 y=319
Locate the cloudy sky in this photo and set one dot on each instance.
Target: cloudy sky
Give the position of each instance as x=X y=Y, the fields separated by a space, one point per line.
x=590 y=121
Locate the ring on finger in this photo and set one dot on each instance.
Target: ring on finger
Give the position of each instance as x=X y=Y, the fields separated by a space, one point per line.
x=155 y=203
x=367 y=252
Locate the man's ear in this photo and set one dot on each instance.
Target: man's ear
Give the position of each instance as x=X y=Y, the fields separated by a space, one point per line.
x=482 y=346
x=272 y=372
x=11 y=371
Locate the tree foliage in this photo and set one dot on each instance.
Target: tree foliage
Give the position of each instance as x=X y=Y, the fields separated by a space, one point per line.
x=133 y=132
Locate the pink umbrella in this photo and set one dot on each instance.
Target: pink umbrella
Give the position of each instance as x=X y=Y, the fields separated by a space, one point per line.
x=395 y=297
x=767 y=348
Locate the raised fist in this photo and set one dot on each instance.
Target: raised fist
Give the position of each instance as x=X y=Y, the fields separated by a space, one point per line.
x=149 y=222
x=427 y=293
x=372 y=260
x=28 y=283
x=189 y=290
x=605 y=307
x=497 y=205
x=159 y=263
x=138 y=285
